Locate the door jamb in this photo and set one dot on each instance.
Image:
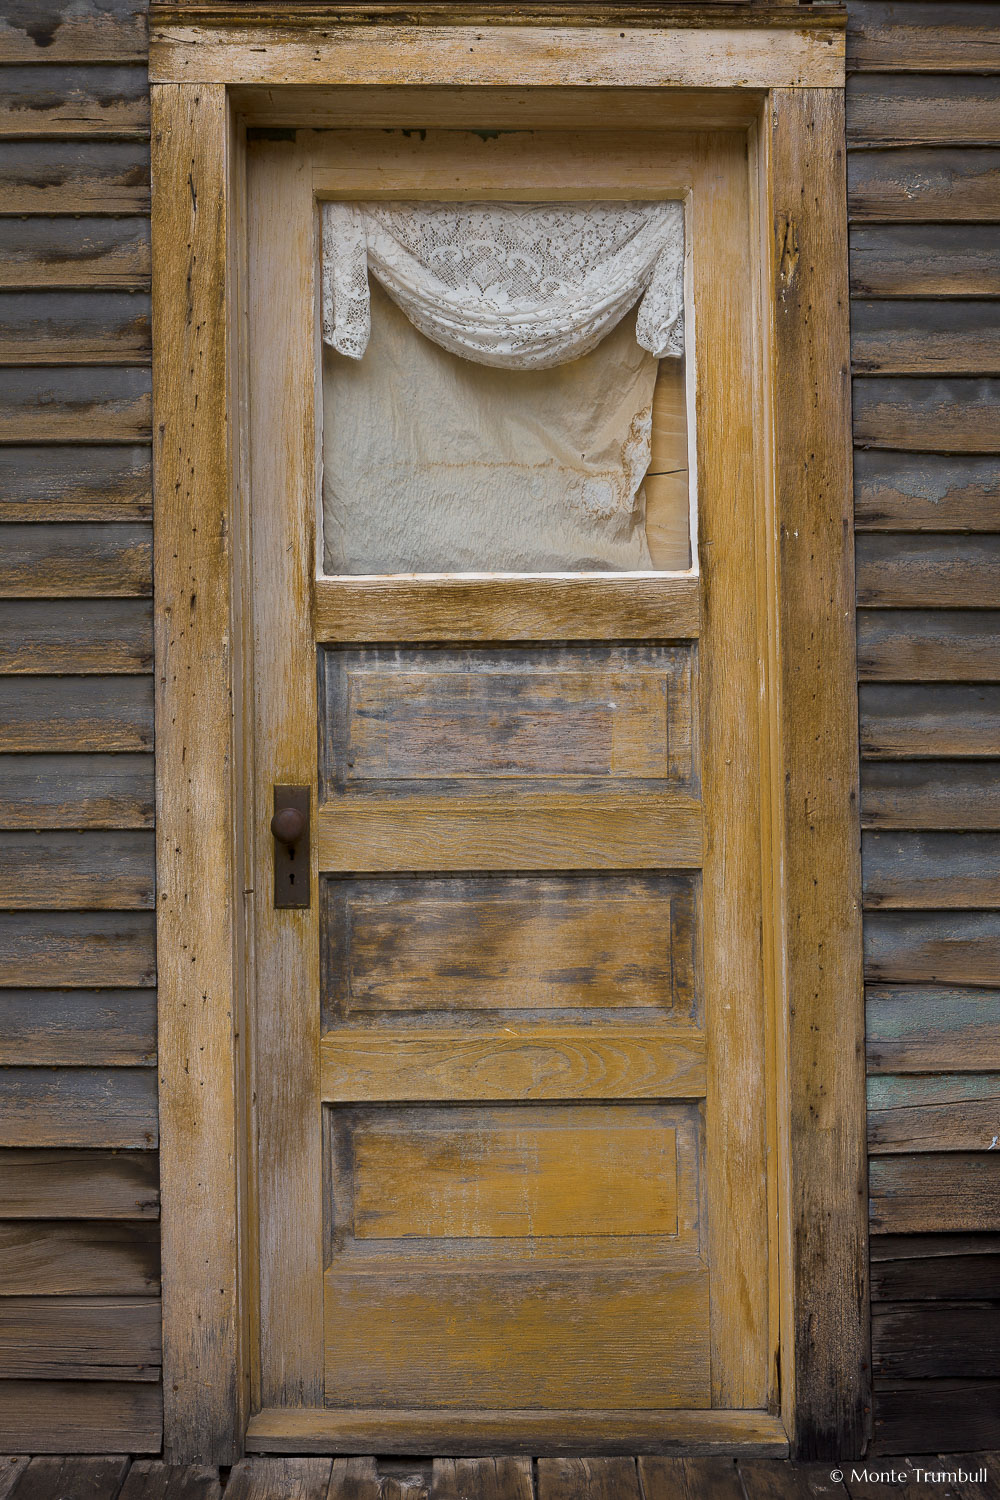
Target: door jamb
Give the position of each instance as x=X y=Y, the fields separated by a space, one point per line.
x=207 y=79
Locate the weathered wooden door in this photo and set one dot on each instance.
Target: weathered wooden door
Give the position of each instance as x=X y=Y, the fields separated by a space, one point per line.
x=509 y=1068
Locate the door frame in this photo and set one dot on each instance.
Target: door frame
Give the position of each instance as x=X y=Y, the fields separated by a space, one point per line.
x=779 y=74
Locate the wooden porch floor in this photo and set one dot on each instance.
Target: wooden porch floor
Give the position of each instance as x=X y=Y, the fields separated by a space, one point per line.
x=967 y=1476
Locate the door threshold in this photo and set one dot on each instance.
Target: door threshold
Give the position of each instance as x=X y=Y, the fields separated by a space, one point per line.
x=461 y=1433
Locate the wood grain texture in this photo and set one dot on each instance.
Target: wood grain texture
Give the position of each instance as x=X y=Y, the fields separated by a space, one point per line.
x=689 y=1479
x=514 y=1061
x=93 y=1478
x=587 y=1479
x=962 y=1414
x=467 y=1432
x=113 y=1107
x=55 y=871
x=296 y=1478
x=932 y=1029
x=928 y=870
x=79 y=483
x=524 y=943
x=75 y=177
x=956 y=1192
x=918 y=110
x=947 y=1340
x=79 y=1338
x=922 y=184
x=590 y=57
x=45 y=636
x=74 y=328
x=76 y=713
x=149 y=1479
x=933 y=947
x=946 y=416
x=930 y=794
x=76 y=791
x=94 y=31
x=63 y=404
x=899 y=721
x=824 y=1396
x=487 y=1478
x=925 y=492
x=913 y=1114
x=43 y=1259
x=11 y=1469
x=934 y=1268
x=53 y=100
x=77 y=1028
x=76 y=560
x=73 y=949
x=84 y=251
x=923 y=37
x=81 y=1416
x=47 y=1184
x=195 y=792
x=580 y=1336
x=390 y=609
x=916 y=646
x=924 y=260
x=925 y=337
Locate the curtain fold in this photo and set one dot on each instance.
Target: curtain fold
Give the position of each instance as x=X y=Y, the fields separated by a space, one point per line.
x=523 y=286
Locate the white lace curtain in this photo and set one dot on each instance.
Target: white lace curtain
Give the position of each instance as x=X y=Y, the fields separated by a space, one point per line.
x=518 y=285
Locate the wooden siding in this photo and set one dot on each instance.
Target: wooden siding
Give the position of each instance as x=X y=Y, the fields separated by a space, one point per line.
x=78 y=1186
x=79 y=1241
x=923 y=125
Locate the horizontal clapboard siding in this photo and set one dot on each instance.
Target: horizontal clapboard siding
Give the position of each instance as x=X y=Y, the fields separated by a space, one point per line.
x=79 y=1203
x=923 y=125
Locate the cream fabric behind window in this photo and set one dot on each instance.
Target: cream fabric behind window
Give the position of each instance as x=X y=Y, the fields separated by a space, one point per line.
x=433 y=463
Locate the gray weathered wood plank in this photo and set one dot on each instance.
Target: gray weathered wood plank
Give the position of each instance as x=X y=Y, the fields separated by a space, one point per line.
x=42 y=1258
x=912 y=1414
x=46 y=1184
x=587 y=1479
x=94 y=327
x=925 y=492
x=80 y=1338
x=73 y=1478
x=88 y=1107
x=291 y=1478
x=76 y=714
x=938 y=1342
x=923 y=184
x=98 y=869
x=150 y=1479
x=920 y=110
x=948 y=1112
x=763 y=1480
x=935 y=1268
x=76 y=791
x=955 y=947
x=68 y=101
x=76 y=560
x=923 y=37
x=81 y=1416
x=75 y=177
x=899 y=721
x=925 y=336
x=77 y=1028
x=41 y=636
x=77 y=949
x=955 y=1192
x=485 y=1478
x=943 y=416
x=922 y=260
x=74 y=31
x=930 y=869
x=915 y=645
x=932 y=1029
x=67 y=404
x=927 y=794
x=79 y=251
x=75 y=483
x=689 y=1479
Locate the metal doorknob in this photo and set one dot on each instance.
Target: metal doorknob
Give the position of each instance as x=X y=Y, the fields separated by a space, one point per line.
x=288 y=825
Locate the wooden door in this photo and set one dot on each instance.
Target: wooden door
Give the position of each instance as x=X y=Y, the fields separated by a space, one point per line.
x=510 y=1092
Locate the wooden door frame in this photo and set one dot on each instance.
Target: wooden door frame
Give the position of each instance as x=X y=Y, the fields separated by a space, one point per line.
x=777 y=73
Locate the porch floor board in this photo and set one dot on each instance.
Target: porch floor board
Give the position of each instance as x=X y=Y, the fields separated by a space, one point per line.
x=117 y=1478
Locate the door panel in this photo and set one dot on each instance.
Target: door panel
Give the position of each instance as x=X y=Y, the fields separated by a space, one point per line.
x=511 y=1067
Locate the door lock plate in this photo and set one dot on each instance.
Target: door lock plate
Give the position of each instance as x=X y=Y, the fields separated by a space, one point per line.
x=290 y=827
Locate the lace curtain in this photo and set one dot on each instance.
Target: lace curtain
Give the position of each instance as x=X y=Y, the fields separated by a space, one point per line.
x=522 y=286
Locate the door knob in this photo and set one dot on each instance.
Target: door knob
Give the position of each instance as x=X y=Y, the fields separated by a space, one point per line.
x=288 y=825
